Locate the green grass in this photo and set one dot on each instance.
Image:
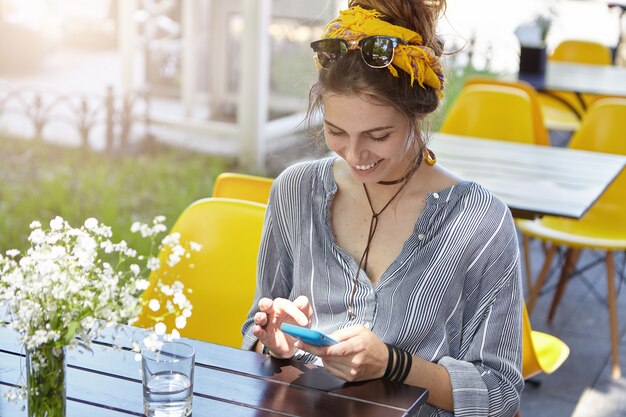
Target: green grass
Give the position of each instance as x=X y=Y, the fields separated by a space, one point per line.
x=39 y=181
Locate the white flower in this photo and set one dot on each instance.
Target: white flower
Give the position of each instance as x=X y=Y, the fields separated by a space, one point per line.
x=175 y=334
x=167 y=290
x=160 y=328
x=152 y=342
x=134 y=268
x=196 y=247
x=154 y=305
x=142 y=284
x=153 y=264
x=37 y=236
x=91 y=223
x=57 y=223
x=135 y=227
x=181 y=322
x=71 y=284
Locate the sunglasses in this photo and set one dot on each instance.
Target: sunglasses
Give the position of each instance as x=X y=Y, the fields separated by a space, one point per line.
x=376 y=51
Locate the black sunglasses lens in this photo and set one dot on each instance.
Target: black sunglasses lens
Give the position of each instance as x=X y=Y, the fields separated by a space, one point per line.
x=377 y=51
x=328 y=51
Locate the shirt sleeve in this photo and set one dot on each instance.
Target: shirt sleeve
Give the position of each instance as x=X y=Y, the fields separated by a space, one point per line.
x=274 y=262
x=486 y=380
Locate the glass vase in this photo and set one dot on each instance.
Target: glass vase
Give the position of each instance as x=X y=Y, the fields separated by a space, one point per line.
x=45 y=374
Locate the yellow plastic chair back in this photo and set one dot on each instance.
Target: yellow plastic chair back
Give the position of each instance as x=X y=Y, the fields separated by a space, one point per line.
x=541 y=133
x=492 y=112
x=222 y=275
x=243 y=187
x=583 y=52
x=603 y=130
x=541 y=352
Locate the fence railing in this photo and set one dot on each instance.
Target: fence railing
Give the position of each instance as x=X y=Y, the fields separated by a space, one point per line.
x=107 y=121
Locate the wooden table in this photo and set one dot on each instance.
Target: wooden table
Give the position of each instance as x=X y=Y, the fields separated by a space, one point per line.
x=532 y=180
x=228 y=382
x=581 y=78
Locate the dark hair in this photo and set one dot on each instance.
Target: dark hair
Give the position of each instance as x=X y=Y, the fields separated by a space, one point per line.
x=350 y=75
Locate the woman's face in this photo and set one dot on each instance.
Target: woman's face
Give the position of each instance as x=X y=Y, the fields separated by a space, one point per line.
x=372 y=137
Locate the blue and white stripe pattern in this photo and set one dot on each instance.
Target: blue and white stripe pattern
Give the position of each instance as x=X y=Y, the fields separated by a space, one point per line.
x=453 y=295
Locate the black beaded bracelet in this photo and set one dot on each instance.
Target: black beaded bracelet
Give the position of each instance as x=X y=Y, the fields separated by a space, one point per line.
x=398 y=365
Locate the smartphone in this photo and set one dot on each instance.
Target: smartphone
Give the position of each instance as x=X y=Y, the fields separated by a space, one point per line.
x=312 y=337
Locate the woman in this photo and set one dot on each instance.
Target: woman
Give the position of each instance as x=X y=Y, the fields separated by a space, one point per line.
x=413 y=270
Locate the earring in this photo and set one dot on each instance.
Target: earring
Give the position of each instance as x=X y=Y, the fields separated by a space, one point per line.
x=429 y=156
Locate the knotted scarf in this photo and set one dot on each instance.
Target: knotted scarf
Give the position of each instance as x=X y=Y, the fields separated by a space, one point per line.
x=417 y=60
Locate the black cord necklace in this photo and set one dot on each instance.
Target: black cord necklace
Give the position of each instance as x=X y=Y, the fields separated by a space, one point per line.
x=374 y=225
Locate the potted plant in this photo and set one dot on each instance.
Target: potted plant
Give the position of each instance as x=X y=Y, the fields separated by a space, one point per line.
x=69 y=286
x=532 y=37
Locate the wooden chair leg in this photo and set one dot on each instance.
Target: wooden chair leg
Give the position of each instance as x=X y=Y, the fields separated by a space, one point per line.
x=571 y=258
x=534 y=292
x=527 y=266
x=612 y=299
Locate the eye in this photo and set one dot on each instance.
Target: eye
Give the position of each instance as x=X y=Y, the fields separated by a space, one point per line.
x=379 y=138
x=334 y=132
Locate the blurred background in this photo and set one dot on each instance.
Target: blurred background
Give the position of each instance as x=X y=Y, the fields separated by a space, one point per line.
x=211 y=79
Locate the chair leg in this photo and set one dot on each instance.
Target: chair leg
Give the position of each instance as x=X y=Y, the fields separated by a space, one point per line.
x=534 y=292
x=527 y=266
x=612 y=299
x=571 y=258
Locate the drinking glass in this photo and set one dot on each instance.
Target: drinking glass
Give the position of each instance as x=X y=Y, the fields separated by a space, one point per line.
x=168 y=380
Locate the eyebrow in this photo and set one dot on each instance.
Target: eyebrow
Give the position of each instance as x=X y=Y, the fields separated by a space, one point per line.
x=376 y=129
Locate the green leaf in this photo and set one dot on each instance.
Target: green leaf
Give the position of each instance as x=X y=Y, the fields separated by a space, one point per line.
x=71 y=332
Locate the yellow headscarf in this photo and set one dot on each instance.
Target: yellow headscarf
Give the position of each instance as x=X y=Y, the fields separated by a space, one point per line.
x=417 y=60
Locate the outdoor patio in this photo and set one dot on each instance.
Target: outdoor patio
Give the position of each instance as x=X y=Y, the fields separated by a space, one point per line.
x=582 y=386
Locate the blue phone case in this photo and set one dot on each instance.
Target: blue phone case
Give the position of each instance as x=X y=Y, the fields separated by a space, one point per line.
x=312 y=337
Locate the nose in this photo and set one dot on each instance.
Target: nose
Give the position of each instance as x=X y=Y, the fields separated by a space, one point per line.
x=354 y=151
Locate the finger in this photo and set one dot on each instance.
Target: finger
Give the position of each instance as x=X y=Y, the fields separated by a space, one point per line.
x=302 y=302
x=261 y=319
x=312 y=349
x=259 y=332
x=265 y=304
x=348 y=332
x=287 y=307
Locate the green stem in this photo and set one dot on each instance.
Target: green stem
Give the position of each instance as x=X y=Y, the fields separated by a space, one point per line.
x=45 y=373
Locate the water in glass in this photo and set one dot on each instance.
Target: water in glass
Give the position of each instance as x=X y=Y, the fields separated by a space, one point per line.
x=167 y=394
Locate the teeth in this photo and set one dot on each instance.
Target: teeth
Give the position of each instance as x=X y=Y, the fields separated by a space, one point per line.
x=365 y=167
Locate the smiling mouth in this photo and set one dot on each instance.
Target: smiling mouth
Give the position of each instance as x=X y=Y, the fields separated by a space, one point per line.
x=366 y=167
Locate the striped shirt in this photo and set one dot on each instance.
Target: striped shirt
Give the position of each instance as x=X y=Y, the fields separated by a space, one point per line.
x=453 y=295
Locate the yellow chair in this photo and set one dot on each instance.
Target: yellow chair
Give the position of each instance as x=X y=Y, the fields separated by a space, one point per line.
x=222 y=275
x=602 y=228
x=541 y=352
x=583 y=52
x=553 y=113
x=243 y=187
x=542 y=136
x=491 y=111
x=564 y=110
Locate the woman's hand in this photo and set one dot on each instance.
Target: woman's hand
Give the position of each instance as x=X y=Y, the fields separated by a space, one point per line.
x=360 y=355
x=272 y=314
